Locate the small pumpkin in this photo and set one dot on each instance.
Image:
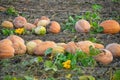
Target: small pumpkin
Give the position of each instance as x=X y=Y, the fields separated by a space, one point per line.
x=105 y=57
x=30 y=47
x=62 y=45
x=54 y=27
x=37 y=41
x=43 y=21
x=6 y=50
x=57 y=49
x=98 y=46
x=43 y=46
x=40 y=30
x=84 y=46
x=7 y=24
x=82 y=26
x=114 y=48
x=110 y=26
x=29 y=26
x=71 y=47
x=19 y=21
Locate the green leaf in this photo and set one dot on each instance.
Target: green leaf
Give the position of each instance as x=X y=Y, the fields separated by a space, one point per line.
x=71 y=19
x=96 y=7
x=28 y=78
x=100 y=29
x=48 y=51
x=38 y=59
x=94 y=51
x=116 y=75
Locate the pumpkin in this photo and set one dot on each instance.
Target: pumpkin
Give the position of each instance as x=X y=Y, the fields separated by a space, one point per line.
x=71 y=47
x=43 y=21
x=84 y=46
x=82 y=26
x=6 y=41
x=31 y=46
x=18 y=44
x=15 y=38
x=43 y=46
x=29 y=26
x=62 y=45
x=57 y=49
x=19 y=47
x=98 y=46
x=110 y=26
x=40 y=30
x=37 y=41
x=54 y=27
x=105 y=57
x=7 y=24
x=6 y=50
x=114 y=48
x=19 y=21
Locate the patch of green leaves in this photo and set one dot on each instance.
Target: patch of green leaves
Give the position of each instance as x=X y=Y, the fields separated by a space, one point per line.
x=7 y=32
x=11 y=11
x=48 y=51
x=116 y=75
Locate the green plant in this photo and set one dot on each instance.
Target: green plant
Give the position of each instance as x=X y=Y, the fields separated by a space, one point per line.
x=116 y=75
x=7 y=32
x=11 y=11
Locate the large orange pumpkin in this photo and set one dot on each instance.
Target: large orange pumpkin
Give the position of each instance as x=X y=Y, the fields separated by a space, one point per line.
x=110 y=26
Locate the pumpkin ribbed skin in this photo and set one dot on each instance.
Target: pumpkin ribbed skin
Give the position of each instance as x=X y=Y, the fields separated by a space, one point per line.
x=29 y=26
x=54 y=27
x=105 y=57
x=110 y=26
x=19 y=22
x=7 y=24
x=43 y=46
x=71 y=47
x=114 y=48
x=82 y=26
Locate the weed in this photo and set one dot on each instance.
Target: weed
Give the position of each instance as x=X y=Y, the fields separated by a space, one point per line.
x=11 y=11
x=7 y=32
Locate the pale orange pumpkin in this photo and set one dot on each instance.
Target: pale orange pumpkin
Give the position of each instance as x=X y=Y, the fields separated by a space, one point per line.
x=71 y=47
x=43 y=21
x=82 y=26
x=6 y=41
x=19 y=47
x=105 y=57
x=110 y=26
x=7 y=24
x=43 y=46
x=15 y=38
x=29 y=26
x=19 y=21
x=54 y=27
x=37 y=41
x=114 y=48
x=84 y=46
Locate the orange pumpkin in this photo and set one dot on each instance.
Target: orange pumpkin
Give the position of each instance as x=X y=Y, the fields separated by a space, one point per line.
x=110 y=26
x=98 y=46
x=71 y=47
x=54 y=27
x=19 y=21
x=82 y=26
x=84 y=46
x=37 y=41
x=105 y=57
x=114 y=48
x=43 y=46
x=6 y=50
x=6 y=41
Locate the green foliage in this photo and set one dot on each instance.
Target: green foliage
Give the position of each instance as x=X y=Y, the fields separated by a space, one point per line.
x=92 y=16
x=8 y=77
x=48 y=51
x=116 y=1
x=7 y=32
x=85 y=77
x=116 y=75
x=11 y=11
